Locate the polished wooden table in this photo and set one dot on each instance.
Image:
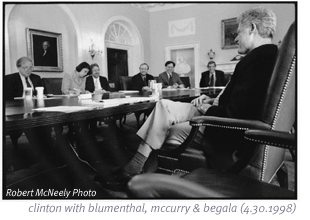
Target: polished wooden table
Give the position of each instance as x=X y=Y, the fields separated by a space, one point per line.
x=19 y=114
x=61 y=161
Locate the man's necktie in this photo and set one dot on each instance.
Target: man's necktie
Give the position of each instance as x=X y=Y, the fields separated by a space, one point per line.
x=170 y=79
x=28 y=83
x=144 y=80
x=211 y=82
x=34 y=92
x=97 y=86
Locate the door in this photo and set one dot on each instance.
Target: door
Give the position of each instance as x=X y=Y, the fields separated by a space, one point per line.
x=117 y=66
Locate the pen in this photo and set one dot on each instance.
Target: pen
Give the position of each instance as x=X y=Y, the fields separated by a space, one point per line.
x=78 y=90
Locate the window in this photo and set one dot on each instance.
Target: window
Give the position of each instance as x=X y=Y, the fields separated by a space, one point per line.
x=118 y=33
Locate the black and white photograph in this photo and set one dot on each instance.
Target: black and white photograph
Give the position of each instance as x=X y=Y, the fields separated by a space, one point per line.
x=151 y=108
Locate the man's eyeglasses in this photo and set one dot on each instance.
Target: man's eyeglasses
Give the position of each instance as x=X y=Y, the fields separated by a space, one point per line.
x=27 y=68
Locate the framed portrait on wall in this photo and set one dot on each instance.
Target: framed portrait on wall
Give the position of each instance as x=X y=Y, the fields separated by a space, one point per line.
x=45 y=50
x=229 y=33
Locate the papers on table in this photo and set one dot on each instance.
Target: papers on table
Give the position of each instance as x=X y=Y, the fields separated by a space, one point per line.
x=88 y=104
x=169 y=89
x=64 y=109
x=129 y=91
x=123 y=101
x=50 y=97
x=174 y=89
x=212 y=87
x=85 y=96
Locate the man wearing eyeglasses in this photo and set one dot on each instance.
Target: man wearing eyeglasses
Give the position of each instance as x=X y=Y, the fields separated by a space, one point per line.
x=15 y=83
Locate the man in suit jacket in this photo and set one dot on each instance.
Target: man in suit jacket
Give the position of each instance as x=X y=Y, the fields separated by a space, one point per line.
x=212 y=77
x=140 y=80
x=39 y=137
x=169 y=78
x=95 y=82
x=242 y=98
x=15 y=83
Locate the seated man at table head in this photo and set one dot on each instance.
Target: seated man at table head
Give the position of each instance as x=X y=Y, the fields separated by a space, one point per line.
x=212 y=77
x=96 y=83
x=242 y=98
x=140 y=80
x=74 y=82
x=14 y=84
x=169 y=78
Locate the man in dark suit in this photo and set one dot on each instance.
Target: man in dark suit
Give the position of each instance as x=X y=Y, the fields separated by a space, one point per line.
x=140 y=80
x=212 y=77
x=14 y=84
x=169 y=78
x=95 y=82
x=242 y=98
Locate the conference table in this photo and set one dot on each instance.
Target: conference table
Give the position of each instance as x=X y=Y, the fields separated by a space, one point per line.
x=63 y=167
x=21 y=113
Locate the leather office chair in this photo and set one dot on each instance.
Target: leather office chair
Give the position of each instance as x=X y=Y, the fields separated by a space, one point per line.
x=186 y=81
x=52 y=85
x=207 y=183
x=257 y=161
x=126 y=84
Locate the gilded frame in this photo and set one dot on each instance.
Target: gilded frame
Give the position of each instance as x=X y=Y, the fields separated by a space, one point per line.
x=229 y=33
x=50 y=60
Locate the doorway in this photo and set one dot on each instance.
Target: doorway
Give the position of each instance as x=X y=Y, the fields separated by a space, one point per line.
x=117 y=66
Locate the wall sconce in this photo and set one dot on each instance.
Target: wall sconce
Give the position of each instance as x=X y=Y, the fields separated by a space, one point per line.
x=211 y=54
x=93 y=51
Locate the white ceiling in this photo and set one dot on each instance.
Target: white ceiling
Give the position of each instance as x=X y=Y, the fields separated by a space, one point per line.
x=159 y=6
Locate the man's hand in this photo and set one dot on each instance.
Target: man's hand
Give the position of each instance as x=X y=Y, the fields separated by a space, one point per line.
x=203 y=108
x=175 y=86
x=181 y=86
x=146 y=88
x=203 y=99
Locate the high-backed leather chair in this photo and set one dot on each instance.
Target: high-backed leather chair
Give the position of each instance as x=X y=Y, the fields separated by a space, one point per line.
x=52 y=85
x=256 y=161
x=186 y=81
x=125 y=82
x=208 y=183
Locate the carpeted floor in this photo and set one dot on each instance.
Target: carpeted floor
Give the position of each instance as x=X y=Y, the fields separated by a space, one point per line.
x=23 y=166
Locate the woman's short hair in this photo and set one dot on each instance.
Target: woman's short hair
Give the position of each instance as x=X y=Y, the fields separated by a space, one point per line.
x=169 y=62
x=82 y=66
x=21 y=60
x=264 y=19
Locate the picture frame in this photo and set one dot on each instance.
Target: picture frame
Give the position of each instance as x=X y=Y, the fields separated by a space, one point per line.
x=229 y=33
x=45 y=50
